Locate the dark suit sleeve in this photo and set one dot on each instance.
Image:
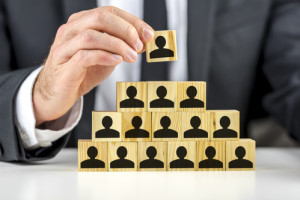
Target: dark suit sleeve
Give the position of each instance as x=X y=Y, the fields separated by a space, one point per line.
x=282 y=64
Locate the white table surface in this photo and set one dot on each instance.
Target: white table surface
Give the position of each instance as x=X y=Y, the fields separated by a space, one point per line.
x=277 y=176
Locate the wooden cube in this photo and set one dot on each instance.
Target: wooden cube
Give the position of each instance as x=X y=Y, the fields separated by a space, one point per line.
x=240 y=155
x=131 y=96
x=211 y=156
x=195 y=126
x=182 y=156
x=166 y=126
x=92 y=156
x=106 y=126
x=136 y=126
x=225 y=124
x=162 y=96
x=162 y=47
x=191 y=96
x=152 y=156
x=122 y=156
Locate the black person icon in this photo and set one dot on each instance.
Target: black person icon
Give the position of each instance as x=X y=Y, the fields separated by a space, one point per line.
x=191 y=102
x=161 y=92
x=122 y=162
x=107 y=132
x=161 y=52
x=181 y=162
x=195 y=132
x=210 y=153
x=240 y=153
x=151 y=162
x=165 y=132
x=136 y=132
x=225 y=132
x=131 y=102
x=92 y=152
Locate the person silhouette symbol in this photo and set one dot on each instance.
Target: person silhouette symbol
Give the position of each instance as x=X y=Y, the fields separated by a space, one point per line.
x=210 y=153
x=151 y=162
x=92 y=152
x=161 y=52
x=195 y=132
x=181 y=162
x=165 y=132
x=107 y=132
x=161 y=92
x=122 y=162
x=131 y=102
x=136 y=132
x=240 y=153
x=225 y=132
x=191 y=102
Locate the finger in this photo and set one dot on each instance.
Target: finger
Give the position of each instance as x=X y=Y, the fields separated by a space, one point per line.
x=77 y=15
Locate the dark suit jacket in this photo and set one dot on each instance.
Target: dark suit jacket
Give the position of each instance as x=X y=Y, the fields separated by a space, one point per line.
x=230 y=44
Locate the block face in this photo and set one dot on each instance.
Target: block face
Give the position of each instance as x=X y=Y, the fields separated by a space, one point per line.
x=182 y=156
x=152 y=156
x=92 y=156
x=240 y=155
x=136 y=126
x=191 y=96
x=211 y=156
x=131 y=96
x=195 y=126
x=162 y=96
x=163 y=47
x=106 y=126
x=166 y=126
x=225 y=124
x=122 y=156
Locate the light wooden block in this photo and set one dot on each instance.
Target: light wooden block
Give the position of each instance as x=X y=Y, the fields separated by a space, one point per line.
x=162 y=47
x=166 y=126
x=195 y=126
x=162 y=96
x=122 y=156
x=182 y=156
x=240 y=155
x=92 y=156
x=136 y=126
x=106 y=126
x=131 y=96
x=225 y=124
x=191 y=96
x=211 y=156
x=152 y=156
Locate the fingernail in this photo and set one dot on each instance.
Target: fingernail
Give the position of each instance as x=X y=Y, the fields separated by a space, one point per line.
x=139 y=45
x=117 y=57
x=133 y=54
x=148 y=33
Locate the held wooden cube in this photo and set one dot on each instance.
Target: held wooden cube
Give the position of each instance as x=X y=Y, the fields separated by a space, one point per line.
x=132 y=96
x=162 y=47
x=182 y=156
x=152 y=156
x=136 y=126
x=162 y=96
x=191 y=96
x=166 y=126
x=92 y=156
x=240 y=155
x=195 y=126
x=106 y=126
x=211 y=156
x=122 y=156
x=225 y=124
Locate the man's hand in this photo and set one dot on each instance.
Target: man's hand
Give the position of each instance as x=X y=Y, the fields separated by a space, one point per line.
x=85 y=52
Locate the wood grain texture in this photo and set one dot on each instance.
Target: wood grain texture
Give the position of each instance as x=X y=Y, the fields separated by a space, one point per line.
x=170 y=37
x=98 y=129
x=141 y=95
x=101 y=154
x=235 y=149
x=147 y=164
